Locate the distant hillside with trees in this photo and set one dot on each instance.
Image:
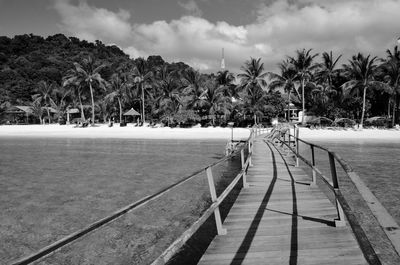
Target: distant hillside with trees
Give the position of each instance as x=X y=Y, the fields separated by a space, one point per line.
x=55 y=74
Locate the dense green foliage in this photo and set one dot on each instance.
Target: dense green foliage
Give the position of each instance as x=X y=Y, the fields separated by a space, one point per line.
x=58 y=73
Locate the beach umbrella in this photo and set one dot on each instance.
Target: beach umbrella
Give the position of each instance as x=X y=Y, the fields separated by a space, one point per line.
x=131 y=112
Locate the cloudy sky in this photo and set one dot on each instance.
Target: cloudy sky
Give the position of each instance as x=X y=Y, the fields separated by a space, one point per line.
x=195 y=31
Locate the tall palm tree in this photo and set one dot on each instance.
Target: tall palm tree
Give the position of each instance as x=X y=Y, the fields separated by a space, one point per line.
x=194 y=86
x=391 y=72
x=253 y=76
x=143 y=77
x=254 y=103
x=87 y=73
x=393 y=55
x=327 y=71
x=61 y=97
x=214 y=100
x=304 y=66
x=361 y=71
x=169 y=99
x=119 y=86
x=70 y=81
x=44 y=96
x=224 y=81
x=37 y=110
x=286 y=80
x=252 y=83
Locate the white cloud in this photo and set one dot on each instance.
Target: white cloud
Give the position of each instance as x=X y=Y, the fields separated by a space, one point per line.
x=93 y=23
x=191 y=7
x=281 y=28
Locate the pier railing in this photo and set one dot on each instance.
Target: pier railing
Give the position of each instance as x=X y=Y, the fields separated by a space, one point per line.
x=391 y=228
x=216 y=200
x=291 y=141
x=173 y=249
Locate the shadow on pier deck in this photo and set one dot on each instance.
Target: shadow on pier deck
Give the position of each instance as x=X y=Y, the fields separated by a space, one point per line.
x=281 y=219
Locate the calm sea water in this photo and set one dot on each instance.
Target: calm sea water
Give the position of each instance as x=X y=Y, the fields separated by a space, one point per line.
x=52 y=187
x=376 y=162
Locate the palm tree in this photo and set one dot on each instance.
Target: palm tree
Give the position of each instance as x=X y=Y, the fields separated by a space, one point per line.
x=37 y=110
x=323 y=93
x=328 y=71
x=224 y=81
x=119 y=86
x=252 y=83
x=395 y=55
x=44 y=96
x=304 y=66
x=361 y=70
x=391 y=72
x=214 y=100
x=70 y=81
x=60 y=102
x=286 y=80
x=194 y=86
x=253 y=76
x=143 y=77
x=169 y=99
x=255 y=102
x=87 y=73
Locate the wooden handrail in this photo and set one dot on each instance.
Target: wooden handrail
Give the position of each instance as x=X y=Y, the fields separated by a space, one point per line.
x=214 y=207
x=108 y=219
x=389 y=225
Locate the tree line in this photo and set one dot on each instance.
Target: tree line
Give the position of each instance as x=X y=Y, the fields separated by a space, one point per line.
x=103 y=82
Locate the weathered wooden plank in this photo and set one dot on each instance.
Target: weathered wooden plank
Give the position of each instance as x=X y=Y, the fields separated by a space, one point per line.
x=284 y=243
x=312 y=254
x=349 y=259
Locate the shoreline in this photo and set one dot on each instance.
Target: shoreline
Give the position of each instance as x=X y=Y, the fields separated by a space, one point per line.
x=378 y=135
x=128 y=132
x=210 y=133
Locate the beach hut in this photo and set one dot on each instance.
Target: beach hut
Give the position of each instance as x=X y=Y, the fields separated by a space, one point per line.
x=18 y=112
x=71 y=112
x=294 y=113
x=130 y=112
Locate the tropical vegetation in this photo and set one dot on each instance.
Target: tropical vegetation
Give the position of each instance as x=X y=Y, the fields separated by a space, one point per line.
x=56 y=74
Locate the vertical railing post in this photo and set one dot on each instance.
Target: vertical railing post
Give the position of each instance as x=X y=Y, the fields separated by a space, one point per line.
x=217 y=214
x=296 y=133
x=333 y=171
x=245 y=184
x=341 y=220
x=314 y=174
x=250 y=152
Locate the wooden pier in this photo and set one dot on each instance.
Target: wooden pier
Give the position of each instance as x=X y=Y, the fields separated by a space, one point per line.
x=279 y=218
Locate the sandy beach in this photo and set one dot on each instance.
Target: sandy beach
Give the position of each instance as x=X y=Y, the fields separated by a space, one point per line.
x=129 y=132
x=341 y=134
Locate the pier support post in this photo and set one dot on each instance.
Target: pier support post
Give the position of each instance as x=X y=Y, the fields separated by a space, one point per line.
x=217 y=214
x=314 y=174
x=245 y=184
x=297 y=144
x=341 y=218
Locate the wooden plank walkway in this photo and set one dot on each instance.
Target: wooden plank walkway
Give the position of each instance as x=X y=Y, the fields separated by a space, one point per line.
x=280 y=219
